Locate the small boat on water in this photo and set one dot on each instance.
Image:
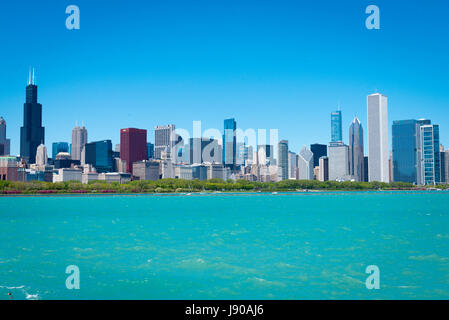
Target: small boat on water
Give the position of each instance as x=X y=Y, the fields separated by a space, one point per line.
x=275 y=192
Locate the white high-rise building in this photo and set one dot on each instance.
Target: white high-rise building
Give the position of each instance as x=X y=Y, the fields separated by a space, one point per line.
x=305 y=164
x=292 y=165
x=4 y=143
x=377 y=111
x=164 y=139
x=338 y=162
x=41 y=155
x=79 y=139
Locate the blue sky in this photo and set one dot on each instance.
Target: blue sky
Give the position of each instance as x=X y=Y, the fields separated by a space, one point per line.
x=269 y=64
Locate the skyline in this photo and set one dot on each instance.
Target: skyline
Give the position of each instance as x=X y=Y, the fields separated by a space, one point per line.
x=265 y=73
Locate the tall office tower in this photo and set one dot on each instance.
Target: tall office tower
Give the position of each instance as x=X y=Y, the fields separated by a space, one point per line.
x=242 y=153
x=41 y=155
x=133 y=146
x=230 y=143
x=339 y=162
x=365 y=169
x=446 y=166
x=32 y=134
x=265 y=154
x=336 y=128
x=79 y=139
x=318 y=150
x=443 y=166
x=324 y=169
x=58 y=147
x=356 y=155
x=405 y=138
x=377 y=112
x=197 y=150
x=292 y=165
x=283 y=160
x=305 y=164
x=164 y=139
x=99 y=155
x=4 y=143
x=430 y=154
x=150 y=150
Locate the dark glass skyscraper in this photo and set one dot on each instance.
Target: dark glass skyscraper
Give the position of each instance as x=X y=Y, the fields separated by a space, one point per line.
x=32 y=134
x=318 y=150
x=405 y=134
x=99 y=155
x=229 y=143
x=336 y=124
x=58 y=147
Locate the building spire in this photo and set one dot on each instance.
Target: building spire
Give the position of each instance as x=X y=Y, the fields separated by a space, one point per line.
x=34 y=80
x=29 y=76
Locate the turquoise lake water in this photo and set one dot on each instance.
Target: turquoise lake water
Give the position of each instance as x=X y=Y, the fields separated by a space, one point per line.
x=226 y=246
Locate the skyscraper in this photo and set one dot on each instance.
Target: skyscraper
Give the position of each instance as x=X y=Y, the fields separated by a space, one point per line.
x=356 y=155
x=338 y=162
x=305 y=164
x=446 y=166
x=133 y=146
x=324 y=169
x=292 y=164
x=99 y=155
x=4 y=143
x=32 y=134
x=405 y=137
x=58 y=147
x=197 y=148
x=230 y=143
x=150 y=150
x=41 y=155
x=79 y=139
x=377 y=112
x=283 y=160
x=336 y=127
x=164 y=139
x=430 y=154
x=318 y=150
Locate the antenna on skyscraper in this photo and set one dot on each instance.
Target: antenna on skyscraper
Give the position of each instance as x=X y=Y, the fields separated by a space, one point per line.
x=34 y=82
x=29 y=76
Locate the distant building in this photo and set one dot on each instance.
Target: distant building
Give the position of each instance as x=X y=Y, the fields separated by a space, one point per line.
x=63 y=160
x=4 y=143
x=88 y=177
x=217 y=171
x=192 y=172
x=283 y=160
x=292 y=165
x=265 y=154
x=338 y=162
x=318 y=150
x=150 y=150
x=336 y=127
x=446 y=166
x=430 y=154
x=8 y=168
x=99 y=155
x=405 y=138
x=110 y=177
x=66 y=174
x=146 y=170
x=230 y=143
x=32 y=133
x=324 y=169
x=133 y=146
x=356 y=155
x=164 y=138
x=79 y=139
x=305 y=164
x=58 y=147
x=377 y=111
x=41 y=155
x=199 y=152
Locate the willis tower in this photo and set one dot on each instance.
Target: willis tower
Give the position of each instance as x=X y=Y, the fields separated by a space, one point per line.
x=32 y=134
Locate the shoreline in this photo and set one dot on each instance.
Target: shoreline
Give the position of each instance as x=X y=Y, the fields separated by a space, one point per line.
x=200 y=193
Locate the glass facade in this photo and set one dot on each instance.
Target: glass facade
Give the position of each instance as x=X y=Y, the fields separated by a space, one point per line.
x=99 y=155
x=405 y=147
x=430 y=158
x=336 y=125
x=229 y=143
x=318 y=150
x=58 y=147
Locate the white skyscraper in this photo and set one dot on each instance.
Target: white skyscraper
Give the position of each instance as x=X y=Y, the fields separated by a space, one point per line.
x=305 y=164
x=79 y=139
x=164 y=140
x=338 y=162
x=41 y=155
x=377 y=111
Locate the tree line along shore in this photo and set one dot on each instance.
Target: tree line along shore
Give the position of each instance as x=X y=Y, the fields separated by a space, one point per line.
x=213 y=185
